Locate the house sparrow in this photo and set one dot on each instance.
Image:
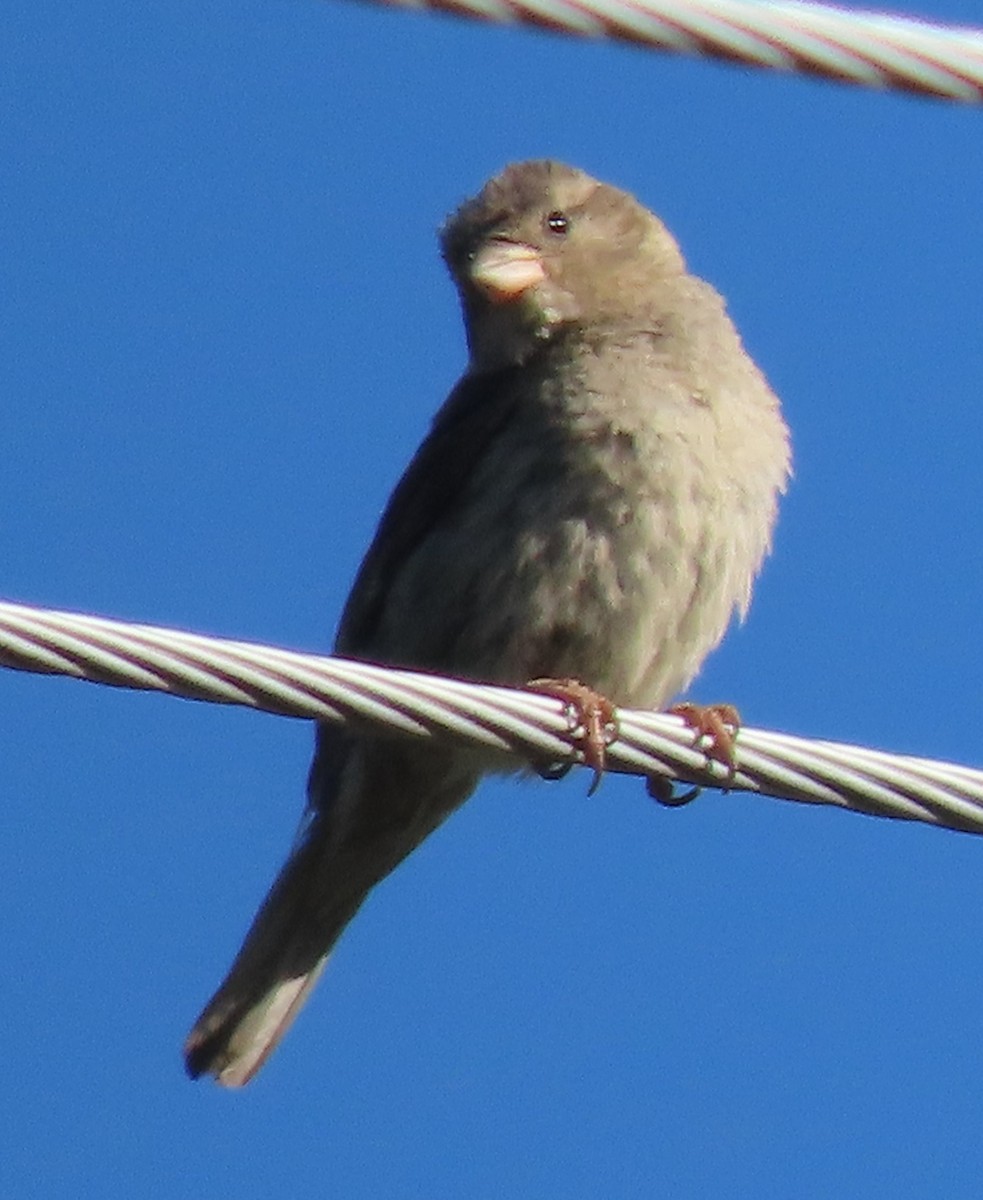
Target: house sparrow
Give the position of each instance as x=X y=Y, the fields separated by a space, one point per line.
x=592 y=502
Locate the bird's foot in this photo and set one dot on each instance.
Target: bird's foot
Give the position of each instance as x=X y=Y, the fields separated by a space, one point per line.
x=717 y=722
x=663 y=791
x=593 y=723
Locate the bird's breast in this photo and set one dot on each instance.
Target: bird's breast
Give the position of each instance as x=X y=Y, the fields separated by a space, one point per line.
x=593 y=539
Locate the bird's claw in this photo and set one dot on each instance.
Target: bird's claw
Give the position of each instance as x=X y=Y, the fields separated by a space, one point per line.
x=719 y=723
x=553 y=771
x=663 y=791
x=592 y=718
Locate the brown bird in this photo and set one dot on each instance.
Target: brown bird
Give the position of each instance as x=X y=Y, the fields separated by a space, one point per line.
x=593 y=501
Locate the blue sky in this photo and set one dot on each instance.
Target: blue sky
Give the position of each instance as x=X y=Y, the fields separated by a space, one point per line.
x=224 y=326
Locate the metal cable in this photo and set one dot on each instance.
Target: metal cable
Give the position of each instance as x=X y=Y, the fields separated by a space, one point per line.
x=870 y=49
x=523 y=725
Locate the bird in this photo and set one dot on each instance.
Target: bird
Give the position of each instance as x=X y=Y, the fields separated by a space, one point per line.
x=593 y=502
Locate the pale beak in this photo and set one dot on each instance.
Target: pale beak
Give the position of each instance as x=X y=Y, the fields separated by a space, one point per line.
x=504 y=270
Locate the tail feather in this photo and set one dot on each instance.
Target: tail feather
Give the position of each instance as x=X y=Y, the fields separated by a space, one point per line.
x=238 y=1047
x=369 y=811
x=282 y=957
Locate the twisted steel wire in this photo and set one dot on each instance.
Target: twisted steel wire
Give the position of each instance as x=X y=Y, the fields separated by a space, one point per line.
x=523 y=726
x=865 y=48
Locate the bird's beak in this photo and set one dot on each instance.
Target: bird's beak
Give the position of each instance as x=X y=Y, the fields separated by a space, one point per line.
x=505 y=270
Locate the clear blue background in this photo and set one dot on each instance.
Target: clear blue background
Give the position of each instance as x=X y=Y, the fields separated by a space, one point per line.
x=223 y=328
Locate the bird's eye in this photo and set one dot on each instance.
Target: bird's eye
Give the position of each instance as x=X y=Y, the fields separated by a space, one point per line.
x=558 y=222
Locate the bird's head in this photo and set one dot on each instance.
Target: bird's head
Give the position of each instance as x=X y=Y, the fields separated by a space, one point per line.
x=543 y=245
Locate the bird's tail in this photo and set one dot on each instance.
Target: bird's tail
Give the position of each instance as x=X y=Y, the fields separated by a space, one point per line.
x=281 y=959
x=371 y=804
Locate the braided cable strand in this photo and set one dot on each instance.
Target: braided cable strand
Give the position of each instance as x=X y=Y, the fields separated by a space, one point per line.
x=870 y=49
x=519 y=724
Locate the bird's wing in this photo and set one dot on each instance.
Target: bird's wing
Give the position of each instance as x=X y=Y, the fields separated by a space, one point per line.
x=474 y=413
